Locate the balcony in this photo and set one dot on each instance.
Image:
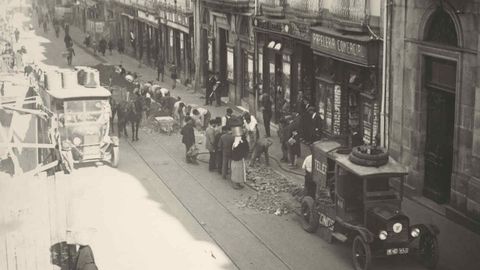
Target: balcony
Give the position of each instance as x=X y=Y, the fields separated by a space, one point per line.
x=273 y=8
x=349 y=15
x=304 y=9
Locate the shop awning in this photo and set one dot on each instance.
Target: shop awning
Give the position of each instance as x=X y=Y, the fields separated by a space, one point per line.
x=356 y=49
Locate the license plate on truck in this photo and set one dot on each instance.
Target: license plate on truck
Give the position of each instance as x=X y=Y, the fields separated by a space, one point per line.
x=397 y=251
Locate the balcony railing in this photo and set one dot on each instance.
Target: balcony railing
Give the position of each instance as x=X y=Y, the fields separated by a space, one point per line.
x=349 y=14
x=304 y=8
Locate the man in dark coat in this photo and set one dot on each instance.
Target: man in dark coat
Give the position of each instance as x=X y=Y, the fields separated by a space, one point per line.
x=85 y=259
x=102 y=46
x=266 y=102
x=188 y=138
x=316 y=126
x=226 y=143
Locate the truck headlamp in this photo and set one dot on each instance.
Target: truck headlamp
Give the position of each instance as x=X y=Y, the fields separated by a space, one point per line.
x=397 y=227
x=77 y=141
x=382 y=235
x=415 y=232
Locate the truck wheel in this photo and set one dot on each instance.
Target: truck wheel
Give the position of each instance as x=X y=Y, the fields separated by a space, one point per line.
x=115 y=157
x=309 y=215
x=361 y=254
x=428 y=250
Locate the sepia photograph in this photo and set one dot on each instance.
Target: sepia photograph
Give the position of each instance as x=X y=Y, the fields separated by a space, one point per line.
x=239 y=134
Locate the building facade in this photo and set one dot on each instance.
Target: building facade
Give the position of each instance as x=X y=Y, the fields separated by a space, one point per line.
x=227 y=48
x=435 y=83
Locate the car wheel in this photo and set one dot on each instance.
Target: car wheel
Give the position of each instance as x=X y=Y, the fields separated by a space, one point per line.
x=361 y=254
x=115 y=157
x=309 y=215
x=429 y=250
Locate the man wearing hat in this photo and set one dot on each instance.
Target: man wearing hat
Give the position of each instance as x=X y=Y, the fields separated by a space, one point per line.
x=225 y=144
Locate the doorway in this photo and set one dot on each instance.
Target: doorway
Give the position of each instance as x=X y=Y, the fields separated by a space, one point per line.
x=440 y=91
x=222 y=59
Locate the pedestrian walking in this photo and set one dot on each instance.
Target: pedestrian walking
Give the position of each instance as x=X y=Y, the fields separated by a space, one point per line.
x=17 y=35
x=110 y=46
x=174 y=76
x=70 y=54
x=102 y=46
x=45 y=26
x=310 y=186
x=57 y=30
x=160 y=68
x=266 y=102
x=188 y=138
x=260 y=148
x=239 y=153
x=68 y=41
x=210 y=144
x=225 y=144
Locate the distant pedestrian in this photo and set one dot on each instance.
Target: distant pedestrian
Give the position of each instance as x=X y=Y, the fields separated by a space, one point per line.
x=188 y=139
x=160 y=68
x=68 y=41
x=94 y=47
x=294 y=148
x=110 y=46
x=209 y=89
x=120 y=46
x=283 y=136
x=217 y=92
x=102 y=46
x=57 y=30
x=266 y=102
x=17 y=35
x=225 y=144
x=239 y=153
x=45 y=26
x=87 y=40
x=210 y=144
x=260 y=148
x=70 y=54
x=136 y=115
x=174 y=76
x=218 y=150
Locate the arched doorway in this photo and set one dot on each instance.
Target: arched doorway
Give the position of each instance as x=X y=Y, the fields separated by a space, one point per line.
x=440 y=80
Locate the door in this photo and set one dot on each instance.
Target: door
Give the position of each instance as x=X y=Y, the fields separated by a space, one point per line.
x=222 y=36
x=439 y=144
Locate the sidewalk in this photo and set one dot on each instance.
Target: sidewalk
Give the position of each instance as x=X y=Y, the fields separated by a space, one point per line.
x=459 y=247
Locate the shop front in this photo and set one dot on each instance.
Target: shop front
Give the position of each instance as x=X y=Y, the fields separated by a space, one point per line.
x=129 y=30
x=176 y=39
x=347 y=79
x=148 y=36
x=284 y=63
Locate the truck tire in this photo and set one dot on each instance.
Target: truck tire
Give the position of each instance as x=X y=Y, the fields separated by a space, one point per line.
x=361 y=253
x=309 y=215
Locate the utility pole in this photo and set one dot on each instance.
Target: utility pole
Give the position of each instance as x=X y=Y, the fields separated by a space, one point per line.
x=197 y=43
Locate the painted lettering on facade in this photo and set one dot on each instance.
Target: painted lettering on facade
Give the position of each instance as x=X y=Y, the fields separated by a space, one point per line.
x=345 y=47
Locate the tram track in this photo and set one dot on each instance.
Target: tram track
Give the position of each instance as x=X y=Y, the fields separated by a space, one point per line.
x=181 y=165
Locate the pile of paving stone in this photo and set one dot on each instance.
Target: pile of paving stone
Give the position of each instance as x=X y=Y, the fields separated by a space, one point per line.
x=275 y=194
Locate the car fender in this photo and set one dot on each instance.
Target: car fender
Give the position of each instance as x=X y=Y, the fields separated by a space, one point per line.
x=427 y=228
x=365 y=234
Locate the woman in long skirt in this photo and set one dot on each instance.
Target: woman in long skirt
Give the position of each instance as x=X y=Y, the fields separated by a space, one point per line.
x=240 y=151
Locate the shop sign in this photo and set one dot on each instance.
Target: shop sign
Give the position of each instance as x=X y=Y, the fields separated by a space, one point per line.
x=355 y=50
x=301 y=31
x=99 y=26
x=147 y=17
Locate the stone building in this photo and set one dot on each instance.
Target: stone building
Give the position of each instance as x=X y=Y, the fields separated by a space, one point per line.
x=435 y=114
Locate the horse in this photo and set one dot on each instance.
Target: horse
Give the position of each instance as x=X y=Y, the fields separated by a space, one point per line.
x=134 y=115
x=121 y=111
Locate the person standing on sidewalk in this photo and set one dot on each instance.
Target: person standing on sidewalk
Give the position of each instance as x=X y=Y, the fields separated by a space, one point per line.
x=225 y=144
x=188 y=138
x=266 y=102
x=217 y=92
x=209 y=89
x=294 y=148
x=174 y=76
x=110 y=46
x=17 y=35
x=309 y=187
x=94 y=47
x=102 y=46
x=160 y=68
x=210 y=144
x=239 y=153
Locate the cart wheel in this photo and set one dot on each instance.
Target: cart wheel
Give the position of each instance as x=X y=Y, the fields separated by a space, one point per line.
x=115 y=157
x=309 y=215
x=361 y=254
x=428 y=250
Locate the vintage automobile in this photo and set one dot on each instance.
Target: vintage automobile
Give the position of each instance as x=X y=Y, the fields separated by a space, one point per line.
x=357 y=203
x=83 y=116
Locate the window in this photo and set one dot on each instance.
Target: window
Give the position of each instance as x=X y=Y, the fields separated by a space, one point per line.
x=441 y=29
